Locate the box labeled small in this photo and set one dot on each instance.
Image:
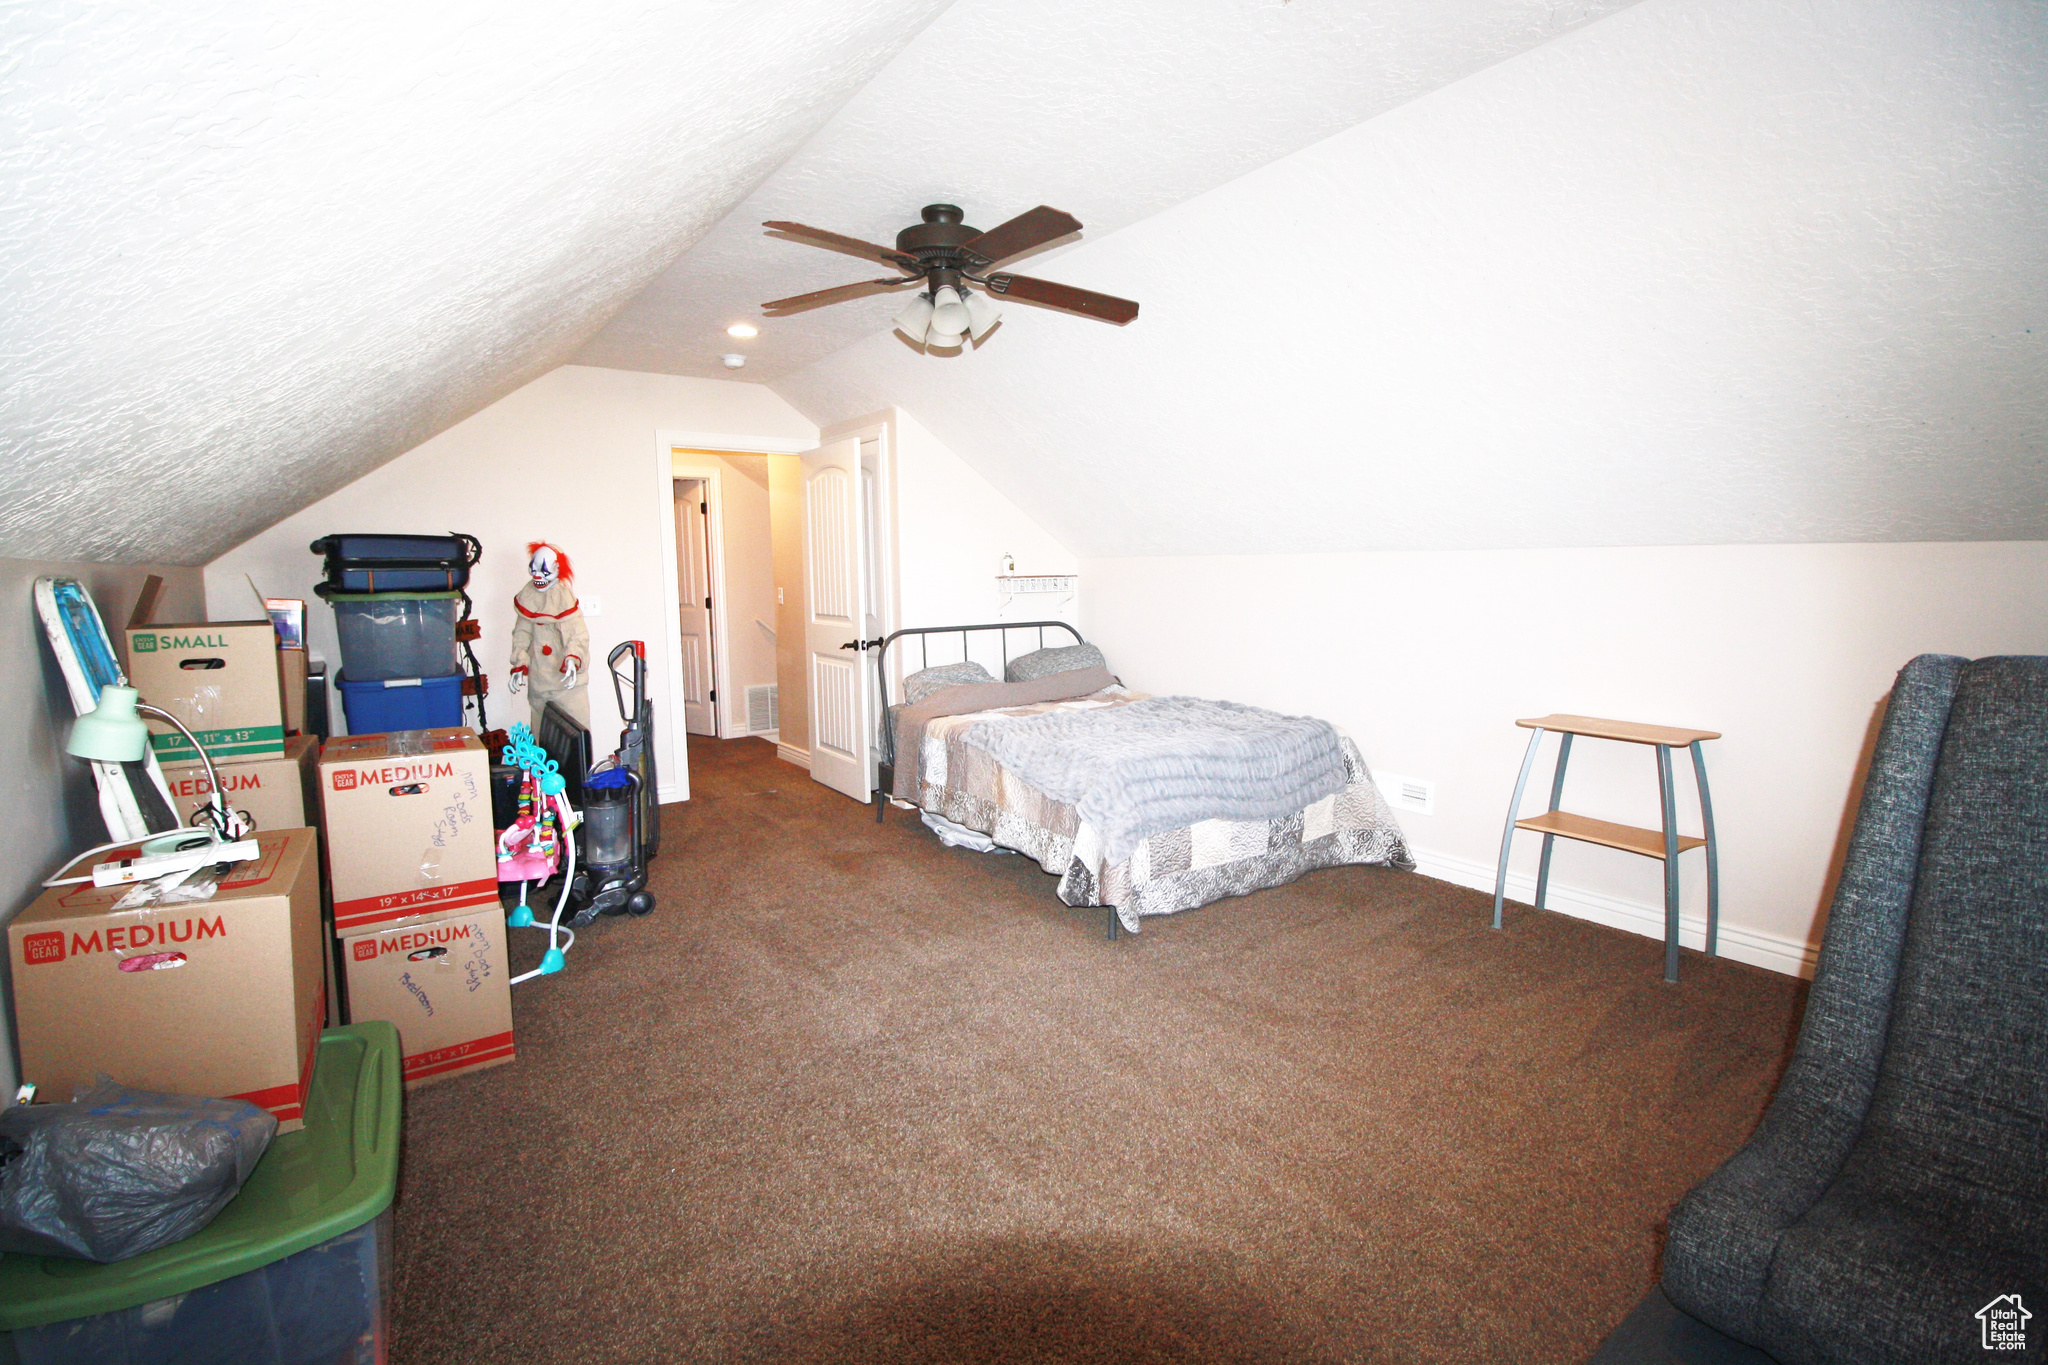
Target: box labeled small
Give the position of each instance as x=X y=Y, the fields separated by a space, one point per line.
x=220 y=678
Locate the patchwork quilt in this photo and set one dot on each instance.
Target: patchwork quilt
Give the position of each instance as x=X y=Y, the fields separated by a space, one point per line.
x=1177 y=869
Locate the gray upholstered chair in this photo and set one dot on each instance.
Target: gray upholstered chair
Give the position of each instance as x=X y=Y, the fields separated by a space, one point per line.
x=1898 y=1183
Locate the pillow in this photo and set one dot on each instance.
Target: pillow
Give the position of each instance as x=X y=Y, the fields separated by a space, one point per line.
x=922 y=684
x=1043 y=663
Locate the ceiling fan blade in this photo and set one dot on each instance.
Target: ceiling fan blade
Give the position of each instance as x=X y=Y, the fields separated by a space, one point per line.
x=838 y=293
x=1034 y=227
x=840 y=242
x=1086 y=302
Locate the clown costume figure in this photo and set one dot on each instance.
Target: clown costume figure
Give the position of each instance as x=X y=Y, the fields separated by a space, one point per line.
x=549 y=640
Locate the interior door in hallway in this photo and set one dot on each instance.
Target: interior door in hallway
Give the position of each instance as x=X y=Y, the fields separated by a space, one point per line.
x=693 y=592
x=835 y=579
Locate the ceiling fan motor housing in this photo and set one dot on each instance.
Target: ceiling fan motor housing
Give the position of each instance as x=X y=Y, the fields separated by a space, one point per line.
x=937 y=242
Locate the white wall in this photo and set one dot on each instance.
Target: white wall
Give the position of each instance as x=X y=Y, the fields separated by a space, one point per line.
x=1428 y=658
x=571 y=458
x=954 y=530
x=54 y=811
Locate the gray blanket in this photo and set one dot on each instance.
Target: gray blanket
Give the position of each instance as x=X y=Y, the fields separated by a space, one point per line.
x=906 y=723
x=1159 y=764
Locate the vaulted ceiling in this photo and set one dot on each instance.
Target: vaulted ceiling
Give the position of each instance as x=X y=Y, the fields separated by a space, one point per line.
x=1110 y=111
x=252 y=250
x=1414 y=272
x=1702 y=272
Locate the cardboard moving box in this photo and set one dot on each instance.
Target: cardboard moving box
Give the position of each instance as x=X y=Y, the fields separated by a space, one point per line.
x=222 y=997
x=278 y=793
x=291 y=677
x=444 y=984
x=220 y=678
x=409 y=834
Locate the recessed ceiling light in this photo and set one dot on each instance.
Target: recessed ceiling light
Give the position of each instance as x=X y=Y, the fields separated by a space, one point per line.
x=733 y=362
x=743 y=329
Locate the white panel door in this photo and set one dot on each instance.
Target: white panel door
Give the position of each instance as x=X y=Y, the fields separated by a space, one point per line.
x=693 y=592
x=834 y=581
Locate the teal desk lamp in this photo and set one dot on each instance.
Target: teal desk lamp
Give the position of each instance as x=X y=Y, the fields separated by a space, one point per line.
x=113 y=732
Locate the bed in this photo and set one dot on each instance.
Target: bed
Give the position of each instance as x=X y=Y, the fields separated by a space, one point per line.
x=1043 y=766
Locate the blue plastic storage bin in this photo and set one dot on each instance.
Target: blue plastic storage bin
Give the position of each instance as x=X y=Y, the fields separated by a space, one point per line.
x=379 y=708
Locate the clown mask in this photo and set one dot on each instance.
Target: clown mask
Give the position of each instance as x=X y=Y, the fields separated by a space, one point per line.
x=544 y=567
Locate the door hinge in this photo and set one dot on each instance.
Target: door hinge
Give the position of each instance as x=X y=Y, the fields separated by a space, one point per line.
x=714 y=694
x=707 y=604
x=704 y=508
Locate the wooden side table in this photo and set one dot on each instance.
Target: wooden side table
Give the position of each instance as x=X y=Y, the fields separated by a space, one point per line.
x=1666 y=843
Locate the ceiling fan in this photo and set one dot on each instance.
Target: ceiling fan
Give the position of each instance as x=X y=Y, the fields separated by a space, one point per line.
x=946 y=255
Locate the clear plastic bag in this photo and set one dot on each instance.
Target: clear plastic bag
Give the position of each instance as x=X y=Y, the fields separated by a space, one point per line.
x=118 y=1172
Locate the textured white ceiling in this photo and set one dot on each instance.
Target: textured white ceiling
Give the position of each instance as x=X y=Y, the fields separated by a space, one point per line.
x=1707 y=271
x=1704 y=270
x=1111 y=111
x=252 y=250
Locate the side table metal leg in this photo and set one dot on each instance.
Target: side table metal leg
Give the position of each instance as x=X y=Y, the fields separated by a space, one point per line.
x=1507 y=836
x=1699 y=771
x=1670 y=803
x=1564 y=753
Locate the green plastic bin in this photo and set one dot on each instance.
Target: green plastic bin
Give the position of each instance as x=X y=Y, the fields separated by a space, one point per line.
x=294 y=1271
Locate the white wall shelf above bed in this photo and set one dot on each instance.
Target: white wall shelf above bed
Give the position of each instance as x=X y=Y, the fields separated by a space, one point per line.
x=1041 y=590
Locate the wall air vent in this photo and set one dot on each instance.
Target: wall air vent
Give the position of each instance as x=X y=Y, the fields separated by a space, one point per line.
x=764 y=710
x=1407 y=793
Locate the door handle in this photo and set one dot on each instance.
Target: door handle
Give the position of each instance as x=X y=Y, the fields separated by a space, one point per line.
x=875 y=643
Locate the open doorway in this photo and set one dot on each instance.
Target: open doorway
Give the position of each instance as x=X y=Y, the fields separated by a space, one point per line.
x=751 y=675
x=726 y=629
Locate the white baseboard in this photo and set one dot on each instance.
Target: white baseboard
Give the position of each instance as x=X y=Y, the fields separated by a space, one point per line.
x=1773 y=952
x=668 y=793
x=789 y=753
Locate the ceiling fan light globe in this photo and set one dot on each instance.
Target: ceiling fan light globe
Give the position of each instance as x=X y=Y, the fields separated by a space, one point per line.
x=981 y=314
x=949 y=314
x=915 y=317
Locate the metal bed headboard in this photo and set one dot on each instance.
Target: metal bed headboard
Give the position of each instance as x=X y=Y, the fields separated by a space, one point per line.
x=924 y=651
x=886 y=750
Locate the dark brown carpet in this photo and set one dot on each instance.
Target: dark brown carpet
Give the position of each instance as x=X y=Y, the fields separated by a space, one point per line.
x=848 y=1095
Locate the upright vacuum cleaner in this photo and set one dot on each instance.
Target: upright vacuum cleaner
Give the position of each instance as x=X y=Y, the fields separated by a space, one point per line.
x=621 y=811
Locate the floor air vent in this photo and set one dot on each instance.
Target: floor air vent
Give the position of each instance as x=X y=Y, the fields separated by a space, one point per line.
x=764 y=710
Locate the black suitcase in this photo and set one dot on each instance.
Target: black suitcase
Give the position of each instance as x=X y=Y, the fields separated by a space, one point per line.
x=387 y=563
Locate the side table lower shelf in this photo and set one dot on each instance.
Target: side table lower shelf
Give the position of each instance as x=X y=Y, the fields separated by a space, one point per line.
x=1584 y=828
x=1664 y=844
